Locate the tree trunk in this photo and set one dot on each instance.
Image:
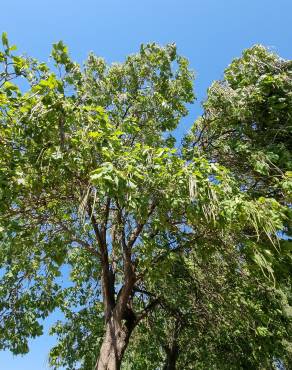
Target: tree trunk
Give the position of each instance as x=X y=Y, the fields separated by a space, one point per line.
x=114 y=344
x=172 y=349
x=171 y=357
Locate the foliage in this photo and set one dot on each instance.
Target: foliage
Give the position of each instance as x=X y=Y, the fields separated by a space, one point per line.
x=247 y=122
x=246 y=126
x=104 y=219
x=215 y=312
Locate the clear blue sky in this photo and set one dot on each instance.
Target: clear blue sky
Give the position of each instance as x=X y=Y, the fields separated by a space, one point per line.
x=209 y=32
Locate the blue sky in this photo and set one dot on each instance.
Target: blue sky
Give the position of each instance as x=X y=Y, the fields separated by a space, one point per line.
x=209 y=32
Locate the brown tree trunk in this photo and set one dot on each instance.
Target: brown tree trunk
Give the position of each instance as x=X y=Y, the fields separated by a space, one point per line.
x=172 y=349
x=171 y=357
x=115 y=342
x=114 y=345
x=119 y=316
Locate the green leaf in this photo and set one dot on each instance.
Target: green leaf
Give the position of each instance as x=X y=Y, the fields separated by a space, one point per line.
x=262 y=331
x=5 y=39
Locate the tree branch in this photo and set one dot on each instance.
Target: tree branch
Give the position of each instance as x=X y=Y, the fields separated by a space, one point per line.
x=135 y=234
x=107 y=274
x=146 y=310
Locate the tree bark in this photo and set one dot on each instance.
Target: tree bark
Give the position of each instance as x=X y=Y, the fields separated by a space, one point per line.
x=172 y=349
x=120 y=318
x=171 y=357
x=114 y=344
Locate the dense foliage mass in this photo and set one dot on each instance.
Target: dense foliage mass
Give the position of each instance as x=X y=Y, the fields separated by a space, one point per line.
x=155 y=257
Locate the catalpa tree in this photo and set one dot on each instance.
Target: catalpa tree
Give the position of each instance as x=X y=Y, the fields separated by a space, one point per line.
x=216 y=311
x=96 y=201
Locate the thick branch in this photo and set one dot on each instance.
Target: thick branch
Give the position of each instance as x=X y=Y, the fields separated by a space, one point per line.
x=129 y=267
x=129 y=273
x=107 y=274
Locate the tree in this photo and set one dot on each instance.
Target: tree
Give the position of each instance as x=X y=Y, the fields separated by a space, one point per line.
x=81 y=185
x=246 y=124
x=216 y=309
x=94 y=192
x=247 y=127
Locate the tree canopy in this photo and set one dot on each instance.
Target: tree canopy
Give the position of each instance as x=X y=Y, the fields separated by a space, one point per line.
x=156 y=256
